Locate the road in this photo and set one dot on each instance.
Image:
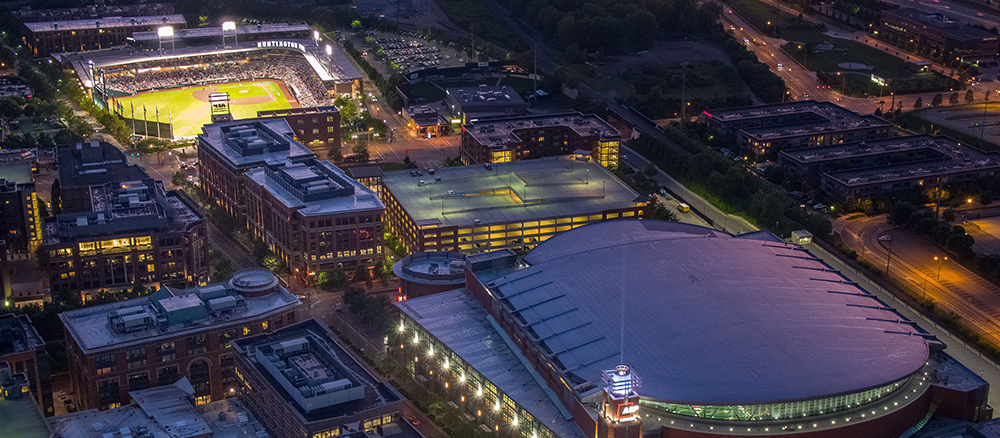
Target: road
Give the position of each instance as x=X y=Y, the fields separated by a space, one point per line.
x=987 y=17
x=921 y=266
x=715 y=217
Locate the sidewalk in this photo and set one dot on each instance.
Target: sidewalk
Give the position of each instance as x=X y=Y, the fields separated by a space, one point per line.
x=957 y=348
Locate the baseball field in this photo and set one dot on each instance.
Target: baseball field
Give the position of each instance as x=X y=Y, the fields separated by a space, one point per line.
x=189 y=109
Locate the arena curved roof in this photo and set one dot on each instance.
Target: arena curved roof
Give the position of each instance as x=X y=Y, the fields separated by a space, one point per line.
x=708 y=318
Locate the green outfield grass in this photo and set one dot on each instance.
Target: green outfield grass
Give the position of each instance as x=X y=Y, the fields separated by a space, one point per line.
x=190 y=108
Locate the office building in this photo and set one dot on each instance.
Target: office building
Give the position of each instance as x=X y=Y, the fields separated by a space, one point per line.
x=120 y=227
x=171 y=333
x=20 y=224
x=768 y=129
x=23 y=350
x=889 y=167
x=44 y=37
x=317 y=128
x=470 y=104
x=370 y=176
x=168 y=411
x=759 y=339
x=940 y=35
x=516 y=205
x=314 y=216
x=227 y=150
x=526 y=138
x=302 y=383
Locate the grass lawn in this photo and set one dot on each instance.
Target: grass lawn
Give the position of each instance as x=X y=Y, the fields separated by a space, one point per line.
x=190 y=109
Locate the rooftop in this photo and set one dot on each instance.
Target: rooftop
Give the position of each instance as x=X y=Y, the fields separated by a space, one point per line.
x=456 y=319
x=18 y=335
x=22 y=418
x=943 y=22
x=432 y=268
x=328 y=382
x=795 y=118
x=18 y=171
x=499 y=133
x=509 y=192
x=713 y=319
x=314 y=188
x=958 y=160
x=945 y=146
x=165 y=411
x=483 y=97
x=253 y=143
x=298 y=111
x=170 y=312
x=365 y=172
x=106 y=22
x=123 y=207
x=203 y=32
x=87 y=164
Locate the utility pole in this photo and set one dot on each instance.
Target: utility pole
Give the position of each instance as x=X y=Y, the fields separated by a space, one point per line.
x=683 y=86
x=982 y=126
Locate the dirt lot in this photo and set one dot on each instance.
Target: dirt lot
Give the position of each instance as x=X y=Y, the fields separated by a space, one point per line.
x=967 y=119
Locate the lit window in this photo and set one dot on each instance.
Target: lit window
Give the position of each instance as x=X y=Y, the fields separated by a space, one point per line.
x=264 y=325
x=246 y=331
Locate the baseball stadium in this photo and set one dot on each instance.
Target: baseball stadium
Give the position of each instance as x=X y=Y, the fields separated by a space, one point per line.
x=166 y=93
x=732 y=336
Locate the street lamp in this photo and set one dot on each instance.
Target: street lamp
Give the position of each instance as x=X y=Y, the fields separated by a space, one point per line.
x=940 y=260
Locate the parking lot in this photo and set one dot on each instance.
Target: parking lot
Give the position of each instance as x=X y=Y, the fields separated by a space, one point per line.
x=409 y=51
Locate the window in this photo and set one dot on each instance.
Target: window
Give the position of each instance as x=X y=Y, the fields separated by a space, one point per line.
x=199 y=376
x=166 y=351
x=107 y=391
x=197 y=344
x=225 y=337
x=246 y=331
x=169 y=375
x=315 y=130
x=138 y=381
x=137 y=357
x=330 y=129
x=106 y=364
x=264 y=325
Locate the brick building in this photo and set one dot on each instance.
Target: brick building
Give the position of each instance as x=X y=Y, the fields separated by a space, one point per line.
x=317 y=128
x=524 y=138
x=24 y=350
x=120 y=227
x=44 y=37
x=227 y=150
x=314 y=216
x=301 y=383
x=172 y=333
x=20 y=225
x=940 y=35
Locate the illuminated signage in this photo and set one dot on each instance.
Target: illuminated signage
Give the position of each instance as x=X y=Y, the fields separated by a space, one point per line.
x=281 y=44
x=627 y=409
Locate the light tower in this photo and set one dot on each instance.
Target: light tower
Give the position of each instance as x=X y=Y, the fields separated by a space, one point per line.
x=620 y=404
x=166 y=32
x=229 y=26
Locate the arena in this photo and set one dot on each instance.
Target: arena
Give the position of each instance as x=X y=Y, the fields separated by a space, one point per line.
x=258 y=75
x=740 y=336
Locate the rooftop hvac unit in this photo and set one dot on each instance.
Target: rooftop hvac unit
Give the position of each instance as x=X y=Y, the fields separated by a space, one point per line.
x=328 y=387
x=291 y=346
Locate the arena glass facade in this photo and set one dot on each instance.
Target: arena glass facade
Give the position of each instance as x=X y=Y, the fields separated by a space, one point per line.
x=778 y=411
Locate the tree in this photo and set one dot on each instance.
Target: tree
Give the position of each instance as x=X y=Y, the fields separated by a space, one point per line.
x=953 y=99
x=362 y=150
x=878 y=112
x=336 y=153
x=938 y=99
x=179 y=179
x=381 y=272
x=969 y=98
x=919 y=103
x=650 y=170
x=659 y=211
x=10 y=109
x=56 y=197
x=363 y=274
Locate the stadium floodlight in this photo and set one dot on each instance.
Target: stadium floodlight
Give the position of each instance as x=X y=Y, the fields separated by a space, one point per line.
x=165 y=31
x=227 y=26
x=329 y=50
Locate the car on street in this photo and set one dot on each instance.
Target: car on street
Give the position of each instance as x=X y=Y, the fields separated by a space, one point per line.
x=885 y=238
x=413 y=420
